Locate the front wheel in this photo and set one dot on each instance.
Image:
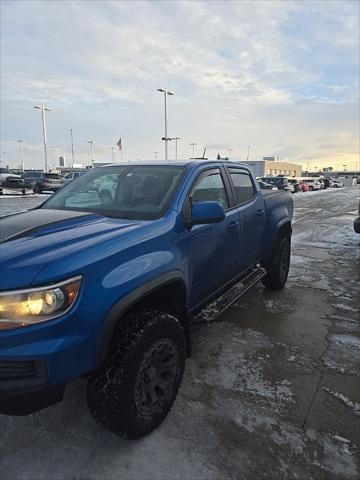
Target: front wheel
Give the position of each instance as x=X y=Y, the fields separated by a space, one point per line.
x=134 y=390
x=277 y=271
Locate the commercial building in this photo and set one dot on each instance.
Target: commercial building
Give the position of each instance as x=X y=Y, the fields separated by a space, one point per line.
x=271 y=166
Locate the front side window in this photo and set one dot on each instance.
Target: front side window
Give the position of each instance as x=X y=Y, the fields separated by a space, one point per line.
x=210 y=188
x=130 y=191
x=243 y=186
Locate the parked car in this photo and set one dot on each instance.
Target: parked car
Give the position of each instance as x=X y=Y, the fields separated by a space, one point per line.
x=294 y=185
x=71 y=176
x=326 y=182
x=266 y=186
x=15 y=185
x=44 y=181
x=304 y=187
x=337 y=184
x=6 y=173
x=106 y=289
x=312 y=184
x=280 y=182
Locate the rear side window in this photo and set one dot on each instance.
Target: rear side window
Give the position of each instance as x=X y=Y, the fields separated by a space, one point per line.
x=54 y=176
x=210 y=187
x=32 y=175
x=243 y=186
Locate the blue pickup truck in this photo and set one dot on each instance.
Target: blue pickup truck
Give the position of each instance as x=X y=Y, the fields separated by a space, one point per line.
x=102 y=280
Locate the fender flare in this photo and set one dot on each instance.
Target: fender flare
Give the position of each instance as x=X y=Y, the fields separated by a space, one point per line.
x=123 y=305
x=285 y=223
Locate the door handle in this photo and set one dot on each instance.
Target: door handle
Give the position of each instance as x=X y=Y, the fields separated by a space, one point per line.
x=232 y=225
x=259 y=212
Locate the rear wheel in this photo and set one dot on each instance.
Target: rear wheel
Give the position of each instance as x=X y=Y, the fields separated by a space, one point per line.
x=37 y=188
x=277 y=271
x=135 y=388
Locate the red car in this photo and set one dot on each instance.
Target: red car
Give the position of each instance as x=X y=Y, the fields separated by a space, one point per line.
x=304 y=187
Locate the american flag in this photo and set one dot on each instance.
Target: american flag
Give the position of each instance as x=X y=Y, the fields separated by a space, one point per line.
x=119 y=144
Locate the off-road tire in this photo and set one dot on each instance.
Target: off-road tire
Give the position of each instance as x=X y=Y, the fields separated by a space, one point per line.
x=37 y=189
x=277 y=271
x=115 y=392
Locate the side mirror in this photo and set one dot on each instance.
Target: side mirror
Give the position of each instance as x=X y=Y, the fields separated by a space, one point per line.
x=206 y=212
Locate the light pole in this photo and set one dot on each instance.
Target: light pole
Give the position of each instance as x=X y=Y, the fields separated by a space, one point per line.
x=72 y=146
x=21 y=155
x=344 y=167
x=165 y=138
x=113 y=154
x=155 y=155
x=4 y=153
x=229 y=152
x=90 y=142
x=43 y=110
x=193 y=149
x=53 y=156
x=176 y=146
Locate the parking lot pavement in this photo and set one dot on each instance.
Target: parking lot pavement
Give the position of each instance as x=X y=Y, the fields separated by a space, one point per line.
x=17 y=203
x=272 y=389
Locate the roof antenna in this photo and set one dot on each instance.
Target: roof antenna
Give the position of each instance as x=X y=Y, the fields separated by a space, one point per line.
x=247 y=158
x=203 y=155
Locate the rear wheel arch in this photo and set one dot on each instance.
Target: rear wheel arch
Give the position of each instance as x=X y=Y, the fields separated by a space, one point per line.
x=283 y=230
x=166 y=293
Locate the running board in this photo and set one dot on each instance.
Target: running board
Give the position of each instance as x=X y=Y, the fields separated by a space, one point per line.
x=214 y=309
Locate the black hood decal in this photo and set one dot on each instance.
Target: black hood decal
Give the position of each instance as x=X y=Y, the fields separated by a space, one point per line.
x=21 y=224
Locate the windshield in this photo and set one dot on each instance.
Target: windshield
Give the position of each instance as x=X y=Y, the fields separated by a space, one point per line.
x=130 y=191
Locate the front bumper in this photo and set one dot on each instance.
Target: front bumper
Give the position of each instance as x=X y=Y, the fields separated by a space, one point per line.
x=24 y=387
x=51 y=188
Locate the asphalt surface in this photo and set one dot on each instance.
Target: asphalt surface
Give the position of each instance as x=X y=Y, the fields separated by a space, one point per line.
x=272 y=389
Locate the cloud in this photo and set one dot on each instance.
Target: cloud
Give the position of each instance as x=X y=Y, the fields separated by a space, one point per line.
x=243 y=73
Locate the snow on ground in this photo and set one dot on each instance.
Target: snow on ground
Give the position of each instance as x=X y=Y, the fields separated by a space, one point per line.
x=261 y=394
x=354 y=406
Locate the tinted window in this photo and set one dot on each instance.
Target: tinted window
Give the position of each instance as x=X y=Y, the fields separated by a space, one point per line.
x=54 y=176
x=31 y=175
x=4 y=170
x=131 y=191
x=210 y=188
x=243 y=186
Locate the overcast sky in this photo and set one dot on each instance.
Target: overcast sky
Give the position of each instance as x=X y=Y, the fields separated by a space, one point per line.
x=281 y=77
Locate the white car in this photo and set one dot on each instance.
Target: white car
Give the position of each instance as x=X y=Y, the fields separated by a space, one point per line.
x=6 y=173
x=313 y=184
x=337 y=184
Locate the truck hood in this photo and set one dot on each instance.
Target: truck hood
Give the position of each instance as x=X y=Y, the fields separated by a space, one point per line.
x=32 y=240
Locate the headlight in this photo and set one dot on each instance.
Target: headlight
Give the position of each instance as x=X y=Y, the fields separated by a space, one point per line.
x=21 y=308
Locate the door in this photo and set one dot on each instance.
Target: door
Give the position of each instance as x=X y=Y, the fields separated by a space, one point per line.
x=250 y=206
x=212 y=249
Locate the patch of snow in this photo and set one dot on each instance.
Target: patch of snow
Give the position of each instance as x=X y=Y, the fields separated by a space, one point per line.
x=346 y=340
x=346 y=308
x=337 y=458
x=354 y=406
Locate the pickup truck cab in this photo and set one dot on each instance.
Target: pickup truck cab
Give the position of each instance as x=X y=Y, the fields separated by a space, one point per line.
x=105 y=286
